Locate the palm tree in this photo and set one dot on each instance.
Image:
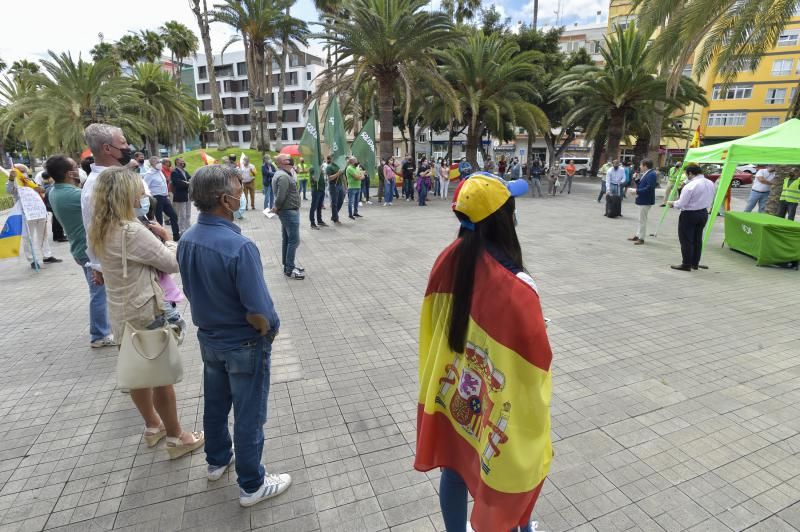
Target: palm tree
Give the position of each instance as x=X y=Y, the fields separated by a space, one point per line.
x=3 y=65
x=290 y=32
x=461 y=10
x=626 y=82
x=169 y=108
x=23 y=67
x=220 y=129
x=494 y=82
x=389 y=41
x=181 y=41
x=153 y=45
x=130 y=48
x=103 y=50
x=205 y=124
x=72 y=95
x=256 y=21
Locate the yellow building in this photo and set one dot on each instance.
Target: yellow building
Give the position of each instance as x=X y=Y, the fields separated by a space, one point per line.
x=756 y=100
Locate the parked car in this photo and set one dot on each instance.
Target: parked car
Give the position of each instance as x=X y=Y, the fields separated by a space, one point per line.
x=582 y=165
x=749 y=168
x=739 y=178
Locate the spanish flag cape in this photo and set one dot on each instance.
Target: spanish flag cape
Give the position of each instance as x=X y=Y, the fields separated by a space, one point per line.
x=485 y=413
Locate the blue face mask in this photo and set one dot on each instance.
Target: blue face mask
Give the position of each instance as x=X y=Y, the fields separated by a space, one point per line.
x=143 y=208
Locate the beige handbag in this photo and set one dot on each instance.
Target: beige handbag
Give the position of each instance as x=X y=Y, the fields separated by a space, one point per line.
x=148 y=358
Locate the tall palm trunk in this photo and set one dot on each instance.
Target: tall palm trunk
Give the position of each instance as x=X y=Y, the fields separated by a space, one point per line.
x=473 y=139
x=616 y=127
x=656 y=125
x=385 y=105
x=221 y=136
x=281 y=92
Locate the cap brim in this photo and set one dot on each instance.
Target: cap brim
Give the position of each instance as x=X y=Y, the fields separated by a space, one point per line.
x=517 y=187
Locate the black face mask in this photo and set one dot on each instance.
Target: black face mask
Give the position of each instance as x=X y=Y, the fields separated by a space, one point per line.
x=125 y=155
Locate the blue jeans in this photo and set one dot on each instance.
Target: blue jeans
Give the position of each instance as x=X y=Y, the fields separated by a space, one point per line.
x=303 y=186
x=99 y=326
x=290 y=232
x=453 y=502
x=239 y=378
x=269 y=197
x=164 y=206
x=337 y=199
x=352 y=201
x=388 y=191
x=423 y=191
x=757 y=197
x=364 y=190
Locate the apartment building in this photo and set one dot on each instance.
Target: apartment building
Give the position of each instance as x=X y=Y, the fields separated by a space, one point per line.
x=755 y=100
x=231 y=73
x=589 y=37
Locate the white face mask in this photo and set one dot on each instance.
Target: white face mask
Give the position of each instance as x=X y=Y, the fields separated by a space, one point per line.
x=158 y=166
x=143 y=208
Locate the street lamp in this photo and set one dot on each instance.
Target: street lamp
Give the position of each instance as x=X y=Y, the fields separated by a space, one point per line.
x=258 y=105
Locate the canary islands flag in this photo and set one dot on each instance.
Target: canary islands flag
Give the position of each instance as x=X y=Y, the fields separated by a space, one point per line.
x=11 y=235
x=485 y=413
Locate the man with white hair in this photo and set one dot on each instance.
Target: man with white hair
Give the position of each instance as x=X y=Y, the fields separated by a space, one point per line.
x=158 y=189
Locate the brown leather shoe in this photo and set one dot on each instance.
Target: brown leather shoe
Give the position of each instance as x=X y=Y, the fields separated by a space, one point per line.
x=681 y=267
x=638 y=243
x=633 y=238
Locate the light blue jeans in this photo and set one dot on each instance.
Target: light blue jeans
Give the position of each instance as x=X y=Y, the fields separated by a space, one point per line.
x=352 y=201
x=290 y=233
x=238 y=378
x=388 y=191
x=99 y=326
x=757 y=197
x=269 y=198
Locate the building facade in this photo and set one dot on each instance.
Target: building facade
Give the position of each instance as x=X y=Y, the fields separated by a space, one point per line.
x=231 y=72
x=588 y=37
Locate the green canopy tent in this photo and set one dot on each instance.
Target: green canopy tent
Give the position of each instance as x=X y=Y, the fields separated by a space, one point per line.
x=779 y=145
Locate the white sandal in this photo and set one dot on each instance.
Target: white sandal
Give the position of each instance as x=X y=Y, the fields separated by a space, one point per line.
x=176 y=448
x=153 y=435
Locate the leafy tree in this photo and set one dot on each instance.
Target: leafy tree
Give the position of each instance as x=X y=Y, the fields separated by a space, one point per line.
x=2 y=65
x=606 y=97
x=493 y=80
x=103 y=50
x=205 y=124
x=391 y=42
x=23 y=67
x=220 y=129
x=256 y=23
x=290 y=32
x=461 y=10
x=168 y=108
x=71 y=94
x=181 y=41
x=493 y=22
x=130 y=48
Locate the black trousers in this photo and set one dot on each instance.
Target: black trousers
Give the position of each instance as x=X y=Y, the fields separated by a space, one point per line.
x=317 y=197
x=164 y=206
x=690 y=234
x=784 y=209
x=58 y=229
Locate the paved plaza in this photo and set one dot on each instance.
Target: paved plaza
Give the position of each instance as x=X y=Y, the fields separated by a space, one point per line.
x=674 y=394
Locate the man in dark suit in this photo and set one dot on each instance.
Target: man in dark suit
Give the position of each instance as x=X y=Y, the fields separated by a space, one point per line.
x=180 y=194
x=645 y=198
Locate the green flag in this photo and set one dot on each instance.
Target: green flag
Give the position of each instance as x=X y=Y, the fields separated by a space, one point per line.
x=363 y=147
x=335 y=137
x=309 y=143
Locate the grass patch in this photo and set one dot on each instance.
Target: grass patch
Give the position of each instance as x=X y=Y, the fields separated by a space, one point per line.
x=6 y=201
x=193 y=160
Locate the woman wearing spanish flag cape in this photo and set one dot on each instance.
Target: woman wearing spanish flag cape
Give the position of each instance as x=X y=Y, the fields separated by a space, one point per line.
x=484 y=370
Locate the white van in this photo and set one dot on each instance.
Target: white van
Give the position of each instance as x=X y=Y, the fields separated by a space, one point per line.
x=582 y=164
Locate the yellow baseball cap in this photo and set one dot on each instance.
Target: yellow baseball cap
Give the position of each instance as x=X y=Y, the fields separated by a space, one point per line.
x=482 y=194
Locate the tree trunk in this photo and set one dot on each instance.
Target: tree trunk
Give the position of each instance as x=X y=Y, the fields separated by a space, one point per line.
x=473 y=138
x=656 y=125
x=412 y=134
x=220 y=129
x=281 y=91
x=615 y=130
x=640 y=149
x=597 y=152
x=252 y=92
x=385 y=105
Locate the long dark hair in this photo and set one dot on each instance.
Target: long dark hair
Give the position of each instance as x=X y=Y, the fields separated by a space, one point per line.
x=497 y=231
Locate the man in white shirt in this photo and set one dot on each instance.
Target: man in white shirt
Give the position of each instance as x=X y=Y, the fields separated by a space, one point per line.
x=760 y=191
x=248 y=173
x=157 y=183
x=694 y=203
x=615 y=177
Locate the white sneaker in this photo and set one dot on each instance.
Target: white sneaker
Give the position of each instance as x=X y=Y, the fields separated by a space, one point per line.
x=385 y=204
x=215 y=472
x=296 y=274
x=273 y=486
x=108 y=341
x=369 y=202
x=360 y=203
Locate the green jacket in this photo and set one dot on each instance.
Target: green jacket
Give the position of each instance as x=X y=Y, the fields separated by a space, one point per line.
x=65 y=200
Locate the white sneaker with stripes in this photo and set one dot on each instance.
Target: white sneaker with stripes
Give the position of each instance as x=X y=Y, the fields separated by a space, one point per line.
x=273 y=485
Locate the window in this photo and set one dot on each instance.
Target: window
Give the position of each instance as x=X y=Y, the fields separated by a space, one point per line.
x=203 y=88
x=235 y=85
x=246 y=136
x=234 y=135
x=223 y=70
x=623 y=22
x=732 y=92
x=769 y=122
x=202 y=72
x=308 y=76
x=782 y=67
x=205 y=105
x=788 y=38
x=687 y=71
x=241 y=68
x=229 y=103
x=726 y=119
x=244 y=102
x=297 y=133
x=294 y=60
x=776 y=95
x=422 y=137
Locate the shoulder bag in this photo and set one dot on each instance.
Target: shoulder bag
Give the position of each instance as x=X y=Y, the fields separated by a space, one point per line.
x=148 y=358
